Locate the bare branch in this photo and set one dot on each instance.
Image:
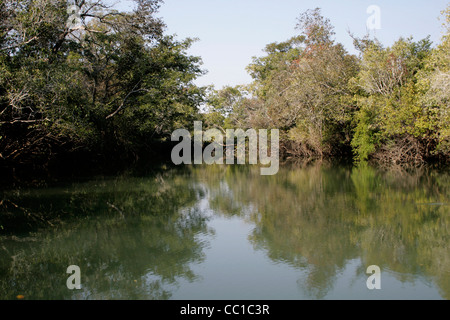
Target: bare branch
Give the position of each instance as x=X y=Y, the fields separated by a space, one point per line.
x=24 y=121
x=122 y=105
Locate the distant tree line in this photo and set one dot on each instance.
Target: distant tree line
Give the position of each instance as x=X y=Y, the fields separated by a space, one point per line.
x=389 y=105
x=98 y=85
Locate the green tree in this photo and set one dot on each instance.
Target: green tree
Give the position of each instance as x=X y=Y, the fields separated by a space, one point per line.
x=113 y=84
x=392 y=125
x=434 y=81
x=302 y=87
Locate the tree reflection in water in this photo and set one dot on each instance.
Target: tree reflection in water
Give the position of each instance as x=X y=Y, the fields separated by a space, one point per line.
x=131 y=237
x=136 y=238
x=320 y=217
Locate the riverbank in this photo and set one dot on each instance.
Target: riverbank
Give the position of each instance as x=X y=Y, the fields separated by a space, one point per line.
x=81 y=166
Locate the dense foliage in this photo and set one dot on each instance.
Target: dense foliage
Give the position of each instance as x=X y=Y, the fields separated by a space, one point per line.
x=104 y=86
x=389 y=104
x=112 y=84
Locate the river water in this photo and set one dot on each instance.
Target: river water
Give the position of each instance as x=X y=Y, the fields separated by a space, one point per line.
x=226 y=232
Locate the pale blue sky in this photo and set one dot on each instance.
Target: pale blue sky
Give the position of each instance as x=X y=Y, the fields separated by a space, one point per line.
x=232 y=31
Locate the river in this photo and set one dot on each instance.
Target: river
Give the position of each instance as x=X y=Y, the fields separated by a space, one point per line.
x=226 y=232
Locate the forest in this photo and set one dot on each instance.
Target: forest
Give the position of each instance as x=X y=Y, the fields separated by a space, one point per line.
x=110 y=91
x=388 y=105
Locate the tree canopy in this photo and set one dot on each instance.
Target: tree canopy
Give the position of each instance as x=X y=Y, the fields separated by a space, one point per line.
x=387 y=104
x=111 y=84
x=86 y=81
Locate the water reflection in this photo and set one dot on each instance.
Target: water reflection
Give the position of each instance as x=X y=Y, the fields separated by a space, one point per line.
x=132 y=238
x=319 y=218
x=143 y=238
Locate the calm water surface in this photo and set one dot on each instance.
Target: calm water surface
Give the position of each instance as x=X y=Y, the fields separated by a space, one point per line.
x=224 y=232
